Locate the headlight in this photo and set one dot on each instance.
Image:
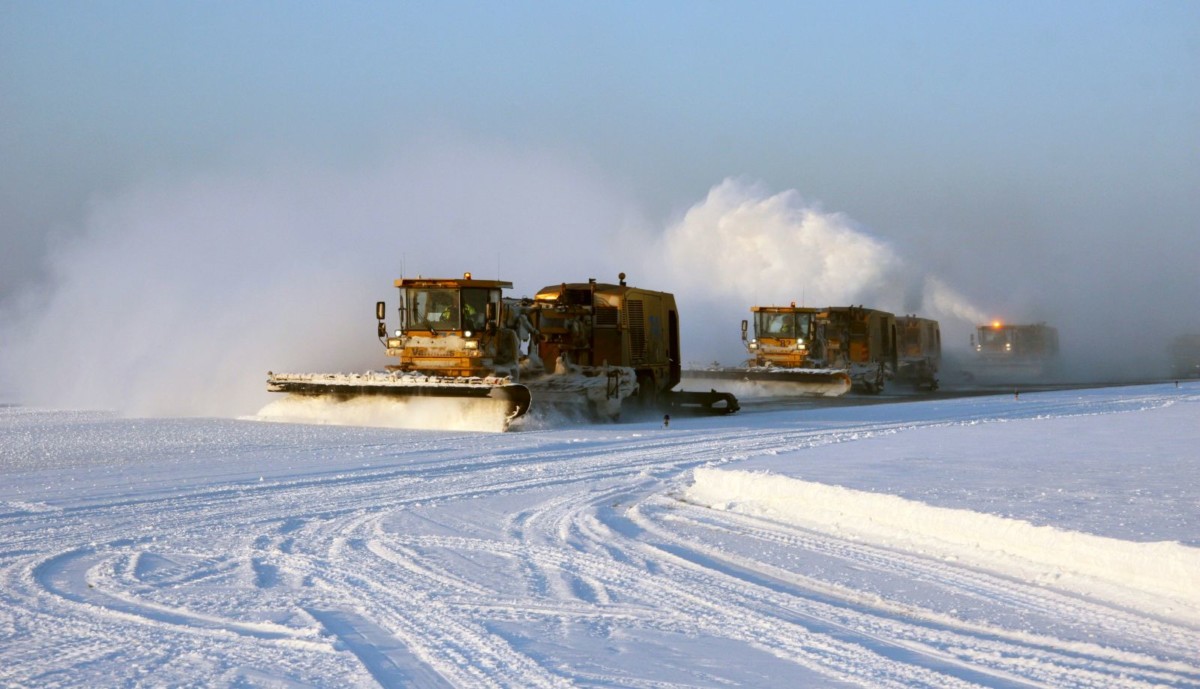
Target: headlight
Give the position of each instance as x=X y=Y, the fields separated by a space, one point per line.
x=394 y=343
x=753 y=344
x=799 y=343
x=466 y=333
x=471 y=344
x=399 y=333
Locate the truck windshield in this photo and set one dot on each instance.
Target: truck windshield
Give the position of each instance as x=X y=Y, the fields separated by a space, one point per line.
x=994 y=337
x=449 y=309
x=783 y=325
x=433 y=309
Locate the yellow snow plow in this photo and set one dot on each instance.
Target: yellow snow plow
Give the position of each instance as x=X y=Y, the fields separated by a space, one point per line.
x=787 y=356
x=590 y=345
x=450 y=343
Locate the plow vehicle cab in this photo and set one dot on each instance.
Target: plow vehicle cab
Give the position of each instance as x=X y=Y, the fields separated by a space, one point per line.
x=450 y=343
x=450 y=328
x=786 y=337
x=787 y=357
x=789 y=346
x=1007 y=353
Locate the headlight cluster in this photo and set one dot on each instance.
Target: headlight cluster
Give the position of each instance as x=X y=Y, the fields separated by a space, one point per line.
x=753 y=344
x=471 y=344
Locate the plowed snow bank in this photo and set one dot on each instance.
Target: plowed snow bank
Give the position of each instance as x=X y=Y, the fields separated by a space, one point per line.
x=1162 y=578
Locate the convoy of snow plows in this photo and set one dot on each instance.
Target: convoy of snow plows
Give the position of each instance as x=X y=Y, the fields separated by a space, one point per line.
x=613 y=349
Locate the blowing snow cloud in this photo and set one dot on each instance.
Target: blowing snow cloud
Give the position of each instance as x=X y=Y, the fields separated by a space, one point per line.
x=743 y=246
x=177 y=298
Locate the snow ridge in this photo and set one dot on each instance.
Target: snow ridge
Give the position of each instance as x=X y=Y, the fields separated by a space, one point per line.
x=1161 y=578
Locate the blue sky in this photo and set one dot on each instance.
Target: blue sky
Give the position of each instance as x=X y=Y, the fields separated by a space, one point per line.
x=1045 y=137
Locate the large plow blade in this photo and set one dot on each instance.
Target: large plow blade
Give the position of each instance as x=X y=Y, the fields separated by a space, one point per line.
x=514 y=397
x=768 y=381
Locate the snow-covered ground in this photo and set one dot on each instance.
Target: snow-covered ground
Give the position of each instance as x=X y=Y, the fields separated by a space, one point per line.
x=1050 y=540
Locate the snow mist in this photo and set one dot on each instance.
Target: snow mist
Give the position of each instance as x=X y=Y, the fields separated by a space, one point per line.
x=742 y=246
x=176 y=298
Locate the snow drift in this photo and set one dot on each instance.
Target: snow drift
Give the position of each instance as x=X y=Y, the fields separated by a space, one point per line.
x=1162 y=578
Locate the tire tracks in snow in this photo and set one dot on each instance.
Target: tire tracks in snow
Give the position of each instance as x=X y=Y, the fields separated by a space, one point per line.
x=1007 y=652
x=344 y=591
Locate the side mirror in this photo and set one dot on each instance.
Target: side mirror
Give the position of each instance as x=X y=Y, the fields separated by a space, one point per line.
x=380 y=310
x=745 y=327
x=382 y=330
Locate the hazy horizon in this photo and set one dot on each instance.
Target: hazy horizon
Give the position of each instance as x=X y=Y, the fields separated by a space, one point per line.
x=192 y=195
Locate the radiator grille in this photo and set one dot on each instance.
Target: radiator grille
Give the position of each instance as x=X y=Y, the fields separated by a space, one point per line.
x=637 y=332
x=606 y=316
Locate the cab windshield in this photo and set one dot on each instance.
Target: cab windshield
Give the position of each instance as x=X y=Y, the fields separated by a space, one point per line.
x=782 y=325
x=994 y=337
x=432 y=309
x=448 y=309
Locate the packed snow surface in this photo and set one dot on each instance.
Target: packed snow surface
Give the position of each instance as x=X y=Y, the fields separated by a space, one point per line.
x=1047 y=540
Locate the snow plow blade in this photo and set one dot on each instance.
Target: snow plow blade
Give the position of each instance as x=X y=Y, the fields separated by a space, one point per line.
x=382 y=383
x=762 y=381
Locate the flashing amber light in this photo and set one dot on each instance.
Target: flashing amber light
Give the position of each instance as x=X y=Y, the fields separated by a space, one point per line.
x=466 y=276
x=995 y=324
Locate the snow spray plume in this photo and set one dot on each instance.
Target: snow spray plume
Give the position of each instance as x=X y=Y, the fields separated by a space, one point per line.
x=427 y=413
x=742 y=247
x=940 y=299
x=176 y=299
